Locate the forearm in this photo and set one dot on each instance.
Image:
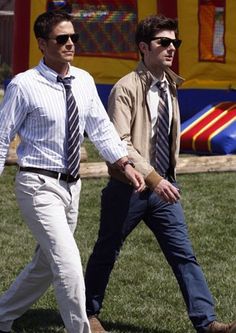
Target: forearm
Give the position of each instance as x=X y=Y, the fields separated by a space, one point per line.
x=126 y=167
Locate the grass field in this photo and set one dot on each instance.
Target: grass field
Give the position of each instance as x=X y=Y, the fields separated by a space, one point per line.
x=142 y=296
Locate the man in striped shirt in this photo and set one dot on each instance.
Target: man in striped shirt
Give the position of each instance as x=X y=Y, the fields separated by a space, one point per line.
x=35 y=107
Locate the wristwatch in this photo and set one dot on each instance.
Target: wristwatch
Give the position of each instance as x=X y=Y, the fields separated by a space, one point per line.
x=126 y=163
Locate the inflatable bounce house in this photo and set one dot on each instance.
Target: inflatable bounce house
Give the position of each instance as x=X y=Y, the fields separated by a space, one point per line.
x=106 y=49
x=211 y=131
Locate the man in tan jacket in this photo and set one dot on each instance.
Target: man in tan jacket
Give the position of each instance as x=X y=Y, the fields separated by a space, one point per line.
x=144 y=108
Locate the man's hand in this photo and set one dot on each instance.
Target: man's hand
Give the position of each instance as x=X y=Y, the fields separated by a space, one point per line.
x=167 y=191
x=135 y=178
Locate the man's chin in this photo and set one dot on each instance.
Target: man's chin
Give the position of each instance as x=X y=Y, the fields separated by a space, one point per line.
x=69 y=58
x=168 y=63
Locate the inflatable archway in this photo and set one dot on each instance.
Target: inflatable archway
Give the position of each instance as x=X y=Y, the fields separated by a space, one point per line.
x=206 y=58
x=106 y=48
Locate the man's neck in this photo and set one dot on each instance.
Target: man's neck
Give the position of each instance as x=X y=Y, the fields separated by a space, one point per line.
x=157 y=72
x=61 y=69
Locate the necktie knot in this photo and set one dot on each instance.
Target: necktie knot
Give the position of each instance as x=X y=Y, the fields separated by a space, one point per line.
x=66 y=82
x=162 y=86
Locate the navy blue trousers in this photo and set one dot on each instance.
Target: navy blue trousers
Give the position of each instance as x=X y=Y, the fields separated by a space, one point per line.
x=121 y=211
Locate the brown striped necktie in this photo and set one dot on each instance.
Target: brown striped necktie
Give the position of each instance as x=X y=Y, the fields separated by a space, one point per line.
x=162 y=134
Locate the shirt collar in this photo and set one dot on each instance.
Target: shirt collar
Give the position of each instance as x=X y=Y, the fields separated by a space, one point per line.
x=49 y=73
x=155 y=80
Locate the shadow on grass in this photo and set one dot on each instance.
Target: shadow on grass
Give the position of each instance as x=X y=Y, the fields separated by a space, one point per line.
x=127 y=328
x=49 y=321
x=39 y=321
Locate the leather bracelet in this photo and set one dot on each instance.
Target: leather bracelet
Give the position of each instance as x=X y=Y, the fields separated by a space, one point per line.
x=126 y=163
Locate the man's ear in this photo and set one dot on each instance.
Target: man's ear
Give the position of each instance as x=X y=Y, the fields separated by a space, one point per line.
x=41 y=44
x=143 y=47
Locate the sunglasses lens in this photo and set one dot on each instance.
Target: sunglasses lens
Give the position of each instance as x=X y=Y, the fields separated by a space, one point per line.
x=165 y=42
x=62 y=39
x=74 y=38
x=177 y=43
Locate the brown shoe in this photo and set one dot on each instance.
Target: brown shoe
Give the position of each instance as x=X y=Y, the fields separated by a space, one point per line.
x=216 y=327
x=95 y=325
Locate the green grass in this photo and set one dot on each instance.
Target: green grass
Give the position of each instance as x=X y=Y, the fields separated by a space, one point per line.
x=93 y=155
x=142 y=296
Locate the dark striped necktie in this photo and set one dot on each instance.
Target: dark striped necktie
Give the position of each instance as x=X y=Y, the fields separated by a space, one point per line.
x=73 y=147
x=162 y=134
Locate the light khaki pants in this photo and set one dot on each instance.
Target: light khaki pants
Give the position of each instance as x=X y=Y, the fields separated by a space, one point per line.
x=50 y=209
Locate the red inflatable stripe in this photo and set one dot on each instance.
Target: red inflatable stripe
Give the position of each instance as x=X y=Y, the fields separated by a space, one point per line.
x=191 y=133
x=203 y=141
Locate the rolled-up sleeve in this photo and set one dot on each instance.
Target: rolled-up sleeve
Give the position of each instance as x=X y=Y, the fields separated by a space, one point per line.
x=11 y=116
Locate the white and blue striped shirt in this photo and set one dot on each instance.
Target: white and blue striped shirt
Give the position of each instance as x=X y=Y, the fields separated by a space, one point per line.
x=34 y=106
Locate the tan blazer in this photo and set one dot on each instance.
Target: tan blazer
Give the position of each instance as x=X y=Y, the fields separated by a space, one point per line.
x=130 y=114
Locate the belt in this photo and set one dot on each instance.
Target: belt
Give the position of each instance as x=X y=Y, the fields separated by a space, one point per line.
x=50 y=173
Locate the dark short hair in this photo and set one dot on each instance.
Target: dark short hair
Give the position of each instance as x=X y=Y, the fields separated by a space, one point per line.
x=46 y=21
x=151 y=25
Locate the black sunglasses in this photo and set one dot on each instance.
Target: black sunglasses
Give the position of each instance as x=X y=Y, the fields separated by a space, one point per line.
x=62 y=39
x=165 y=41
